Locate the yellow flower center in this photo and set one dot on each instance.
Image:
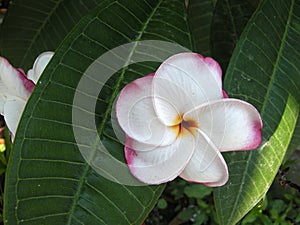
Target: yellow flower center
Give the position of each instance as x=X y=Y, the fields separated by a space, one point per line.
x=181 y=125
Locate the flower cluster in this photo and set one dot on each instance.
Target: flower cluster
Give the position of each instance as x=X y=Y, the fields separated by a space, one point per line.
x=16 y=87
x=178 y=120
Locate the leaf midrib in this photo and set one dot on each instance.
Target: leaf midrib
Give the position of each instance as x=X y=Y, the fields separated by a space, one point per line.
x=235 y=34
x=241 y=186
x=108 y=110
x=33 y=40
x=283 y=40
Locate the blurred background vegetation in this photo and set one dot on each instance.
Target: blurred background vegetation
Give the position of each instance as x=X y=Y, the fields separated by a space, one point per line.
x=185 y=203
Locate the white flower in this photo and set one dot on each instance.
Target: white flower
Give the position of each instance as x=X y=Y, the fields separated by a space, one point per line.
x=178 y=120
x=16 y=87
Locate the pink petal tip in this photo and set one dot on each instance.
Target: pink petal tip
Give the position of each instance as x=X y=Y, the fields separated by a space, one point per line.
x=225 y=95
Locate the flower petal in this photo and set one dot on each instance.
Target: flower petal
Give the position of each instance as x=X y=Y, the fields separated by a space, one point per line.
x=39 y=65
x=231 y=124
x=13 y=82
x=183 y=82
x=137 y=117
x=13 y=109
x=162 y=164
x=225 y=95
x=207 y=165
x=1 y=105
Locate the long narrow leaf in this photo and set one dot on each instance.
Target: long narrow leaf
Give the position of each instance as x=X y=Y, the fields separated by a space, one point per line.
x=31 y=27
x=264 y=70
x=200 y=15
x=229 y=20
x=48 y=180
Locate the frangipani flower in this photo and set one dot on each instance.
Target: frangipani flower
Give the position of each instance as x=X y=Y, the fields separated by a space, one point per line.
x=178 y=121
x=16 y=87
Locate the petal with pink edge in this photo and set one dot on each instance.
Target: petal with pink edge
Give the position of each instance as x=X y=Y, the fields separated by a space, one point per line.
x=225 y=95
x=13 y=82
x=13 y=109
x=183 y=82
x=136 y=115
x=39 y=65
x=207 y=165
x=162 y=164
x=231 y=124
x=139 y=146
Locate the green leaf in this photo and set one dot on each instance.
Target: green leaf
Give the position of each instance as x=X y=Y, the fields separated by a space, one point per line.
x=200 y=14
x=162 y=203
x=251 y=174
x=31 y=27
x=48 y=181
x=186 y=214
x=217 y=25
x=294 y=144
x=197 y=191
x=229 y=20
x=264 y=71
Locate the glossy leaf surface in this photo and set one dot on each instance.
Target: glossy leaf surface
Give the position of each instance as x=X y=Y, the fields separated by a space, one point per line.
x=31 y=27
x=48 y=180
x=264 y=71
x=229 y=20
x=200 y=15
